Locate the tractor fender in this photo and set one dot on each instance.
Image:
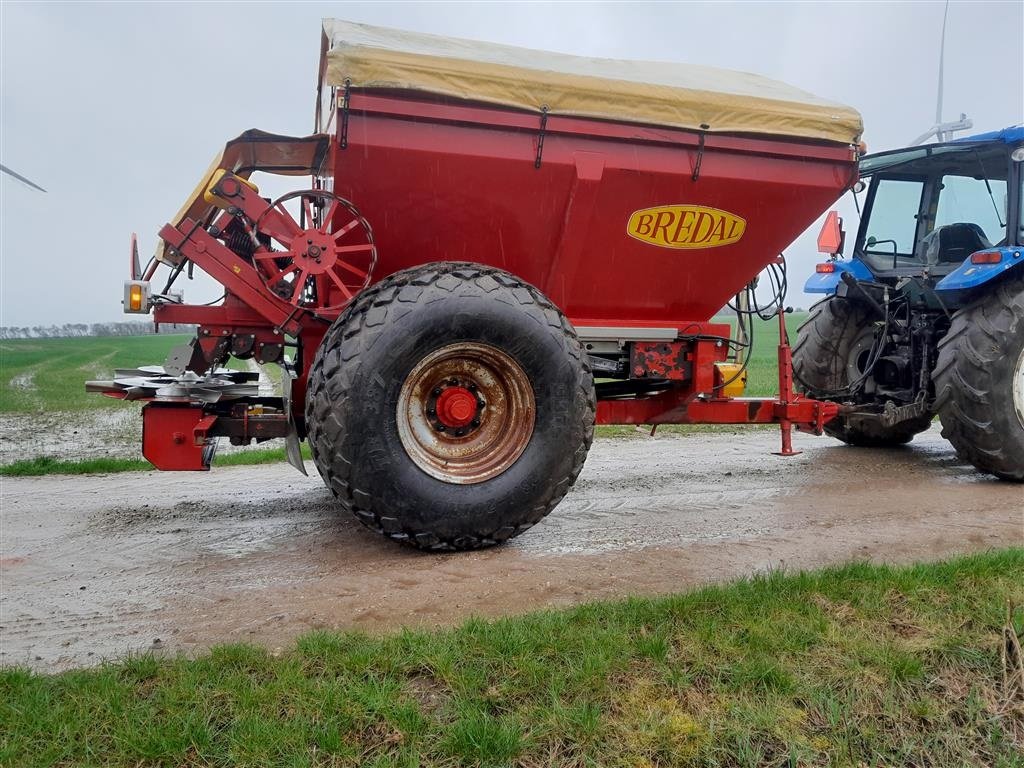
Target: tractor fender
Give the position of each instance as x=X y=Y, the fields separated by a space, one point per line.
x=826 y=282
x=972 y=275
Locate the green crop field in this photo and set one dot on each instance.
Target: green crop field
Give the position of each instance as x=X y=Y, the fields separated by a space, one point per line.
x=42 y=393
x=40 y=375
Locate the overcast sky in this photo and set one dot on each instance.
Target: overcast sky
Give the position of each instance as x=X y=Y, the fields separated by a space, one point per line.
x=116 y=109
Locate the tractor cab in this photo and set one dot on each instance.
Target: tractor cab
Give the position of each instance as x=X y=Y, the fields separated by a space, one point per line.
x=934 y=212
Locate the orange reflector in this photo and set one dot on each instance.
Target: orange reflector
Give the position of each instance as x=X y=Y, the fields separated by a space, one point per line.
x=830 y=239
x=135 y=298
x=986 y=257
x=827 y=268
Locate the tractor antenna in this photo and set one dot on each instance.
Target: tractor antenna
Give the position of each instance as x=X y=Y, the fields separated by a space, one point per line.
x=940 y=130
x=19 y=177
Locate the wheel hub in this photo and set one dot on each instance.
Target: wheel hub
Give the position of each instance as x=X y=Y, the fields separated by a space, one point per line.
x=313 y=252
x=466 y=413
x=456 y=407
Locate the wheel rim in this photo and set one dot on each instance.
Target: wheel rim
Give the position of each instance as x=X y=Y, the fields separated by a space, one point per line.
x=466 y=413
x=1018 y=388
x=857 y=359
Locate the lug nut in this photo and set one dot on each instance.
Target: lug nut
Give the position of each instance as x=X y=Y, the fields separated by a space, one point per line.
x=436 y=392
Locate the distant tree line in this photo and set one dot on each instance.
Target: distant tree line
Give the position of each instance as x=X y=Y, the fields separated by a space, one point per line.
x=73 y=330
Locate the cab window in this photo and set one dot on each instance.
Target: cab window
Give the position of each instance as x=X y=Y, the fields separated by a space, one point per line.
x=964 y=199
x=893 y=224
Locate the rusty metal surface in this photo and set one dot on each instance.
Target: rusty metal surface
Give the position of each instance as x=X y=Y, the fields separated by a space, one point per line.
x=661 y=360
x=491 y=442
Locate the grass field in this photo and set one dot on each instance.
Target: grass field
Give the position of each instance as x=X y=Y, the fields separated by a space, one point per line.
x=41 y=380
x=47 y=465
x=48 y=374
x=855 y=666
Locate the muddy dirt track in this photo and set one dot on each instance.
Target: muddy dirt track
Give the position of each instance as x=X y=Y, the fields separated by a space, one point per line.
x=95 y=566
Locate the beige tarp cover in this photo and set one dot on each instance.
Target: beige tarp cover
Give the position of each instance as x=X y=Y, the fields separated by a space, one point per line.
x=675 y=95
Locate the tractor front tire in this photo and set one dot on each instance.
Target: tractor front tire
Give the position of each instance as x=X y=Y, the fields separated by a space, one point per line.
x=450 y=407
x=829 y=355
x=979 y=382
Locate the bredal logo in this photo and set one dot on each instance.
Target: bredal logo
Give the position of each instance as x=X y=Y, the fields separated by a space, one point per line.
x=685 y=226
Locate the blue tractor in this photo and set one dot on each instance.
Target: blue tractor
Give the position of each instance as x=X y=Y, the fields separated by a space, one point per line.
x=926 y=317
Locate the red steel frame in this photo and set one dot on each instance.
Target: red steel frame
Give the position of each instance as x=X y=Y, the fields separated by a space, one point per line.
x=582 y=166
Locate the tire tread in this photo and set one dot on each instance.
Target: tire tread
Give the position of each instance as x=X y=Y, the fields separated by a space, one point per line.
x=361 y=326
x=968 y=369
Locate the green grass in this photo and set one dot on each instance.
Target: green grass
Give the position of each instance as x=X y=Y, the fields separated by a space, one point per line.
x=46 y=375
x=38 y=375
x=853 y=666
x=49 y=465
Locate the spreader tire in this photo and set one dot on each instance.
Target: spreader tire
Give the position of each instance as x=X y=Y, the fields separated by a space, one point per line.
x=979 y=382
x=450 y=406
x=827 y=343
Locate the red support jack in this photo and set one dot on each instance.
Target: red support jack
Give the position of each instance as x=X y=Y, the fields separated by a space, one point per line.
x=785 y=387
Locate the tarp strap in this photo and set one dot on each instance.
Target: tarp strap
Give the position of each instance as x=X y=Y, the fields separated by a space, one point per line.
x=343 y=133
x=700 y=151
x=540 y=136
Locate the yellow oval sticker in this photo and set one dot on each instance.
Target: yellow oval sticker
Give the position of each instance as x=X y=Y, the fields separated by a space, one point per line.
x=685 y=226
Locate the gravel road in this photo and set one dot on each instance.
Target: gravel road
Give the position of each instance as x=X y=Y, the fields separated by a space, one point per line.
x=92 y=567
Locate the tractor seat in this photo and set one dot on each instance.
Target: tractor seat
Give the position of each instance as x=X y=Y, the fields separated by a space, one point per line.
x=952 y=243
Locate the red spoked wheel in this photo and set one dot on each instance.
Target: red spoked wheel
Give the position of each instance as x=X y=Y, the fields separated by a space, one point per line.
x=328 y=252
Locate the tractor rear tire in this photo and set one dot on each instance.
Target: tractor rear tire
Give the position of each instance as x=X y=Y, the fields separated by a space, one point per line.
x=979 y=382
x=450 y=407
x=825 y=357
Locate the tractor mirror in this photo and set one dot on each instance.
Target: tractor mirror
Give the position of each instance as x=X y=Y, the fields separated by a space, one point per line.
x=830 y=239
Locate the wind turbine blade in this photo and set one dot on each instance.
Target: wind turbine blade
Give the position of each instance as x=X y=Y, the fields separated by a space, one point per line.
x=942 y=62
x=19 y=177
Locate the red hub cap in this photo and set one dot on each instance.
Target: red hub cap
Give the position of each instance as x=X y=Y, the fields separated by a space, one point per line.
x=456 y=407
